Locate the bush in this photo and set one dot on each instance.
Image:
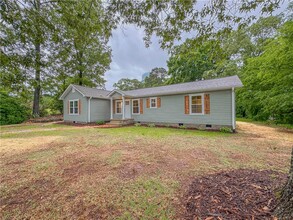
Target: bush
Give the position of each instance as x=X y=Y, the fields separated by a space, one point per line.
x=12 y=111
x=226 y=130
x=151 y=125
x=100 y=122
x=182 y=126
x=137 y=124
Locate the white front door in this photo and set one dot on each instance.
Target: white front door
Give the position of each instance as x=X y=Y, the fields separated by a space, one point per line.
x=127 y=108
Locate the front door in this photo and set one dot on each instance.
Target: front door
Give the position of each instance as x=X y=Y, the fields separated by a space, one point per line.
x=127 y=109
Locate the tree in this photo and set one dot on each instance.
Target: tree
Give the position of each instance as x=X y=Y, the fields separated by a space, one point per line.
x=127 y=84
x=191 y=60
x=25 y=28
x=85 y=28
x=157 y=77
x=168 y=19
x=268 y=80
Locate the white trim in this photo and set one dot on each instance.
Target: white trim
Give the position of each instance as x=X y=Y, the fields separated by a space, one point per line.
x=115 y=90
x=67 y=90
x=233 y=109
x=111 y=104
x=73 y=100
x=116 y=107
x=156 y=102
x=202 y=103
x=138 y=107
x=123 y=107
x=89 y=109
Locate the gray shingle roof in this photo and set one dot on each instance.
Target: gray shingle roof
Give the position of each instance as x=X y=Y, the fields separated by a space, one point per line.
x=189 y=87
x=197 y=86
x=92 y=92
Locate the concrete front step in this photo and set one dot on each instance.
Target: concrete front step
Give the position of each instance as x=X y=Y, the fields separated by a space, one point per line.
x=122 y=122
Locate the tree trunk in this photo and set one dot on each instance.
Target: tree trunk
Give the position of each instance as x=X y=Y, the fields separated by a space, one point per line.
x=284 y=209
x=37 y=84
x=80 y=78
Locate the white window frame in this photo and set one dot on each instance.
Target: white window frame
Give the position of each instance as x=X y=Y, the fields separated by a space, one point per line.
x=202 y=103
x=116 y=101
x=138 y=107
x=153 y=98
x=74 y=100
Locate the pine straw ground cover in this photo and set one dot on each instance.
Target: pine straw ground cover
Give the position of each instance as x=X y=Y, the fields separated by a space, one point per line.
x=51 y=171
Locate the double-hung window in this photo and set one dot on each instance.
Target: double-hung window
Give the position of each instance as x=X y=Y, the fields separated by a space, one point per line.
x=118 y=107
x=135 y=106
x=196 y=104
x=153 y=102
x=73 y=110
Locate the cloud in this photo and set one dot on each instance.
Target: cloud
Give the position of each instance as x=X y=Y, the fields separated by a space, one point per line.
x=130 y=57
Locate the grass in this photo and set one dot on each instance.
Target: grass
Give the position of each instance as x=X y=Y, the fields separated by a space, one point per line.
x=51 y=171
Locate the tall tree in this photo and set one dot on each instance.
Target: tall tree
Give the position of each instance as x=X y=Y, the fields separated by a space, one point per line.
x=190 y=60
x=127 y=84
x=268 y=80
x=25 y=28
x=157 y=77
x=85 y=28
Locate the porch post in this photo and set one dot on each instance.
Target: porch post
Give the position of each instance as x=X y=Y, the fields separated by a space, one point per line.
x=123 y=109
x=111 y=108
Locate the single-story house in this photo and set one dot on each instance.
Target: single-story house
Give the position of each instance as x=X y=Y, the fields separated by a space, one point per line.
x=205 y=104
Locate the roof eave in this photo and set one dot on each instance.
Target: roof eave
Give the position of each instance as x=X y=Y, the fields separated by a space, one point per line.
x=189 y=91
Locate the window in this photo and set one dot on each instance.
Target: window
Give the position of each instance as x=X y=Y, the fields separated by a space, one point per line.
x=153 y=102
x=196 y=104
x=118 y=107
x=135 y=106
x=73 y=107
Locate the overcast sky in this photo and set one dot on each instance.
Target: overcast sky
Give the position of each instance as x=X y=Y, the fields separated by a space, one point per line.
x=130 y=57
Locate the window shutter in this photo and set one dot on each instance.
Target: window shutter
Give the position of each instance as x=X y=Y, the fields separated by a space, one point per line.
x=159 y=102
x=114 y=107
x=207 y=108
x=147 y=102
x=141 y=106
x=186 y=104
x=68 y=107
x=79 y=107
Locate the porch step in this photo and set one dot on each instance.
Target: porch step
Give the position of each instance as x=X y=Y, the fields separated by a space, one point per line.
x=122 y=122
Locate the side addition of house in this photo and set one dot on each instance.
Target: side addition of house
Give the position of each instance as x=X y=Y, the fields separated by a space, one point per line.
x=205 y=104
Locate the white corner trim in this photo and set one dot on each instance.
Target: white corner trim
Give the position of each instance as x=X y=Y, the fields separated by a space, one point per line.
x=89 y=110
x=233 y=109
x=202 y=103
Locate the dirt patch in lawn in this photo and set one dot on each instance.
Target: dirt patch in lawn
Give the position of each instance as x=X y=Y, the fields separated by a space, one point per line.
x=237 y=194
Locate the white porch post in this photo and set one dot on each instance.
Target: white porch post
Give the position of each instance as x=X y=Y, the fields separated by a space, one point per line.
x=123 y=109
x=111 y=108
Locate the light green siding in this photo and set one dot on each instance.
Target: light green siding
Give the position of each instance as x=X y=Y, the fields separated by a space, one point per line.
x=100 y=110
x=82 y=117
x=172 y=110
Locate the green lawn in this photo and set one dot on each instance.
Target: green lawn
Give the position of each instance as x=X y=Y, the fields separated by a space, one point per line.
x=51 y=171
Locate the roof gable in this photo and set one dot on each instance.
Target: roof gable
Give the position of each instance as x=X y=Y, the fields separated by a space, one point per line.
x=86 y=92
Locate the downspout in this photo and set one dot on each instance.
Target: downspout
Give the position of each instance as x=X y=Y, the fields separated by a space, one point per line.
x=89 y=110
x=233 y=110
